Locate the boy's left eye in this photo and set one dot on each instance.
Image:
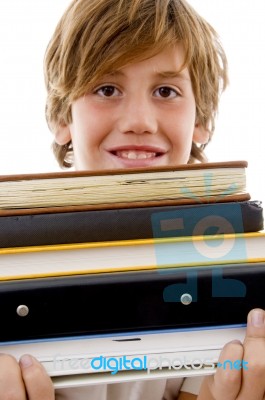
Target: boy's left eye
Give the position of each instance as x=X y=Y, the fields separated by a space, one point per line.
x=166 y=92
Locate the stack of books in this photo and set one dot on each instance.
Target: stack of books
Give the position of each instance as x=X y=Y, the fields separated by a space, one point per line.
x=105 y=262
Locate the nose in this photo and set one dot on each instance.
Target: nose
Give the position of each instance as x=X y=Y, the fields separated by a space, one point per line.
x=138 y=116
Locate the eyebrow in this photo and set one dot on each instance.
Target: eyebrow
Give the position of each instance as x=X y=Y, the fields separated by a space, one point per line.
x=160 y=74
x=173 y=74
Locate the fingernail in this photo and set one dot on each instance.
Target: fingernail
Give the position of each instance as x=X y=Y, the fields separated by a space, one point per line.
x=257 y=318
x=236 y=341
x=25 y=361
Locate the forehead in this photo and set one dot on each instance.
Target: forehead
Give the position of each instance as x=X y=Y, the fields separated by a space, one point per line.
x=167 y=63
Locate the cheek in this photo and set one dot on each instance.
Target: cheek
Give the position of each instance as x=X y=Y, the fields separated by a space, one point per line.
x=180 y=133
x=180 y=128
x=87 y=127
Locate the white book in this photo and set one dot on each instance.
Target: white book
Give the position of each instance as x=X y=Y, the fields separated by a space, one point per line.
x=107 y=359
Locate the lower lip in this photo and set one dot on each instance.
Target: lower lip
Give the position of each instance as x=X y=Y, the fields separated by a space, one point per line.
x=138 y=162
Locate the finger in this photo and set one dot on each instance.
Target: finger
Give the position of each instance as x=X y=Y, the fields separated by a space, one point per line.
x=253 y=384
x=226 y=382
x=11 y=382
x=37 y=382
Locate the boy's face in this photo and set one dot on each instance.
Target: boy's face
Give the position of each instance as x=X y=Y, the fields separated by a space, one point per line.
x=143 y=115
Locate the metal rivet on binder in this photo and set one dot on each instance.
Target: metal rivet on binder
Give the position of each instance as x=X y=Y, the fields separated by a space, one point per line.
x=22 y=310
x=186 y=299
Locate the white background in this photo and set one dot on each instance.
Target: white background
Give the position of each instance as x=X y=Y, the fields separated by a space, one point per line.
x=25 y=28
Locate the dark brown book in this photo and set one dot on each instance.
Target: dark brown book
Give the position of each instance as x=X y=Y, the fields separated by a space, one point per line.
x=130 y=223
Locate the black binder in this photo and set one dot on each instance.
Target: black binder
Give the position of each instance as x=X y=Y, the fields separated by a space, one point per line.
x=130 y=301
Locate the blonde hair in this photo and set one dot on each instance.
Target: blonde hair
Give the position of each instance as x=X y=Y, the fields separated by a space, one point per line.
x=95 y=37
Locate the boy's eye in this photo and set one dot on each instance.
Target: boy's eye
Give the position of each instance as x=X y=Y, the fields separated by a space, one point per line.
x=166 y=92
x=107 y=91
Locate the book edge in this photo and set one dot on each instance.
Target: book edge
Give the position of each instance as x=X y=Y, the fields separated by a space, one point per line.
x=114 y=206
x=69 y=174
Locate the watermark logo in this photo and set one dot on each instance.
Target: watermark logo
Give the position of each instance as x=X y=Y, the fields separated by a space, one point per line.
x=208 y=178
x=207 y=221
x=237 y=364
x=141 y=363
x=116 y=364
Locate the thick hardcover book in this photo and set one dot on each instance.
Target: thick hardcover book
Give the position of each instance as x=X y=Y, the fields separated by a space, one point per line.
x=130 y=223
x=69 y=191
x=131 y=255
x=117 y=303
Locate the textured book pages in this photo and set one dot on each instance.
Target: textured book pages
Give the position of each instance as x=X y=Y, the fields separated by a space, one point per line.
x=183 y=184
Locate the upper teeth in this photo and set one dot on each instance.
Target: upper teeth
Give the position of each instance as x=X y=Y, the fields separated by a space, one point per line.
x=133 y=154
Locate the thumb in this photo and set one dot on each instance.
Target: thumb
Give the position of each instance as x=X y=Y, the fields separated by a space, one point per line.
x=256 y=324
x=36 y=380
x=253 y=383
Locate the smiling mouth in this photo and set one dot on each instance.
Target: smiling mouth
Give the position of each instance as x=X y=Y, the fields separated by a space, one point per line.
x=136 y=154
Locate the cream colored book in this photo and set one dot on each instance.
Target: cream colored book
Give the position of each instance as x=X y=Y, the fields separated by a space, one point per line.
x=131 y=255
x=182 y=184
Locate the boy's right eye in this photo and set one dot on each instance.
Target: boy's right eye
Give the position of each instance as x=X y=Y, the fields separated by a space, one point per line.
x=107 y=91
